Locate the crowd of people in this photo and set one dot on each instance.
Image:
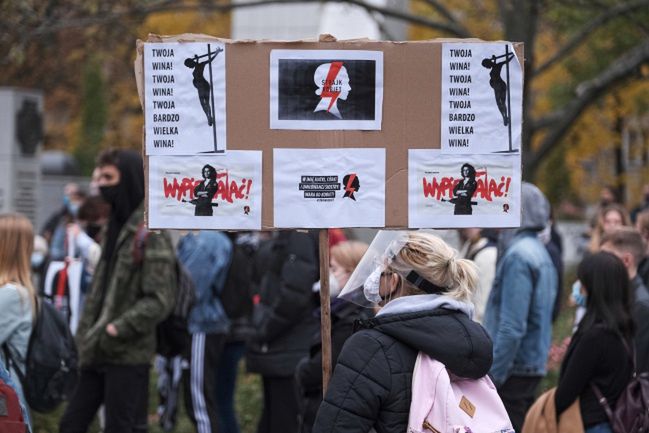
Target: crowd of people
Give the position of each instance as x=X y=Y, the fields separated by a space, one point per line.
x=485 y=309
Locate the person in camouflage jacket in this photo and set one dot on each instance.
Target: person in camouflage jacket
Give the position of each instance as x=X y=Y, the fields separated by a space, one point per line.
x=132 y=291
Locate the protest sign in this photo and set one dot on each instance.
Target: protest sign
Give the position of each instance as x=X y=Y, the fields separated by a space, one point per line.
x=206 y=191
x=185 y=98
x=317 y=188
x=448 y=190
x=326 y=89
x=406 y=107
x=482 y=98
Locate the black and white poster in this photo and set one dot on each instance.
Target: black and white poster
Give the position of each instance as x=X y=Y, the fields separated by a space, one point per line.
x=326 y=89
x=206 y=191
x=326 y=188
x=184 y=86
x=482 y=98
x=452 y=191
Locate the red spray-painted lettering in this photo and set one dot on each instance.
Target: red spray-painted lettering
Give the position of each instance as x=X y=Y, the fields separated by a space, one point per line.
x=487 y=188
x=229 y=189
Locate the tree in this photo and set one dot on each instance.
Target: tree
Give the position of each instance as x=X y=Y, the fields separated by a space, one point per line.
x=576 y=51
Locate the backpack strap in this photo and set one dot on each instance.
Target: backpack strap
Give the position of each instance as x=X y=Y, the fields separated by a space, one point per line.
x=603 y=402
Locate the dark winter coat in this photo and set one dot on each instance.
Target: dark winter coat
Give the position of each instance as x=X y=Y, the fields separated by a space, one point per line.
x=283 y=318
x=309 y=371
x=372 y=381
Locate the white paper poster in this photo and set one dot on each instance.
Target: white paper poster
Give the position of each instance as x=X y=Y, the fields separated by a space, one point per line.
x=206 y=192
x=327 y=188
x=184 y=85
x=326 y=89
x=452 y=191
x=482 y=98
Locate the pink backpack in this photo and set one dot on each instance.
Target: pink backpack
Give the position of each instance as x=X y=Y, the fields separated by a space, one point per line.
x=444 y=403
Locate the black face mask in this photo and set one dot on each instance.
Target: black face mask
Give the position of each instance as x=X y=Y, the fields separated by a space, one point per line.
x=93 y=230
x=109 y=193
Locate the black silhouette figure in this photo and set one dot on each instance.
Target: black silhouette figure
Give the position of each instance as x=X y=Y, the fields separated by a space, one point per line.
x=204 y=192
x=352 y=184
x=464 y=190
x=497 y=83
x=201 y=83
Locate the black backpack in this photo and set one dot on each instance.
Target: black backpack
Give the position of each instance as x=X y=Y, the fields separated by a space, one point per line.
x=51 y=366
x=236 y=295
x=172 y=335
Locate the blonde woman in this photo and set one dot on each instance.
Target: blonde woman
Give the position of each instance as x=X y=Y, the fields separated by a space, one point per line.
x=16 y=292
x=424 y=292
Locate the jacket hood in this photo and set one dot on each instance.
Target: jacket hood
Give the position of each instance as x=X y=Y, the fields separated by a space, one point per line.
x=535 y=216
x=440 y=327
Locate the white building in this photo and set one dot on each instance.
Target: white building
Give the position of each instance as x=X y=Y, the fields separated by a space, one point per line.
x=308 y=20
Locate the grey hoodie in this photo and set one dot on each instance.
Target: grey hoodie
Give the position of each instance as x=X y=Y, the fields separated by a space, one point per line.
x=535 y=216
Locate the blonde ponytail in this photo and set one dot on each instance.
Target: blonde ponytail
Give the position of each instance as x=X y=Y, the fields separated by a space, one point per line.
x=436 y=261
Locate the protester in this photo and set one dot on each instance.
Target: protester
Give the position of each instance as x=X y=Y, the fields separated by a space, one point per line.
x=17 y=296
x=483 y=252
x=237 y=300
x=132 y=290
x=206 y=256
x=609 y=218
x=627 y=244
x=642 y=226
x=643 y=206
x=285 y=324
x=600 y=351
x=425 y=293
x=54 y=230
x=344 y=257
x=519 y=310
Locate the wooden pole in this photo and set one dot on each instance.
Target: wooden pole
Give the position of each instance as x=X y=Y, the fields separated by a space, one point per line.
x=325 y=309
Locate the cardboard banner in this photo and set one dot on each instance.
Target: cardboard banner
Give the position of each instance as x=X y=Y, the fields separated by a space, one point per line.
x=326 y=89
x=321 y=188
x=206 y=192
x=452 y=191
x=184 y=98
x=482 y=98
x=328 y=95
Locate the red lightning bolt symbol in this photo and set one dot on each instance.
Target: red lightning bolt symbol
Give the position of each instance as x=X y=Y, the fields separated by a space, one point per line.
x=349 y=189
x=331 y=76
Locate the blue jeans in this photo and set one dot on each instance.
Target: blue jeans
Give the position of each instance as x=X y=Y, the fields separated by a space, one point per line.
x=226 y=380
x=603 y=427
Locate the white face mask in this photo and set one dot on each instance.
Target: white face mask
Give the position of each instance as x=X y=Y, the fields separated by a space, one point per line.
x=372 y=286
x=334 y=287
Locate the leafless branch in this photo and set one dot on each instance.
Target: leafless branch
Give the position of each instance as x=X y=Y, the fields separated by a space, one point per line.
x=588 y=29
x=559 y=122
x=443 y=11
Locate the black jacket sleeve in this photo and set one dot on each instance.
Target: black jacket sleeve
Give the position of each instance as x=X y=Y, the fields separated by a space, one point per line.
x=360 y=385
x=293 y=294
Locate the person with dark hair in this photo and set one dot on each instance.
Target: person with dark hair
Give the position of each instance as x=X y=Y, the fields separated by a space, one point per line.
x=627 y=244
x=497 y=83
x=205 y=191
x=201 y=84
x=131 y=292
x=464 y=190
x=284 y=324
x=599 y=354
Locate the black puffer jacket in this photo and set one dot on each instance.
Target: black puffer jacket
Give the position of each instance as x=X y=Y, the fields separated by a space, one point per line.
x=283 y=318
x=371 y=384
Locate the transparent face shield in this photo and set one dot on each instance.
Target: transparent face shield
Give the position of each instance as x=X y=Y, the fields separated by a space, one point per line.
x=363 y=286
